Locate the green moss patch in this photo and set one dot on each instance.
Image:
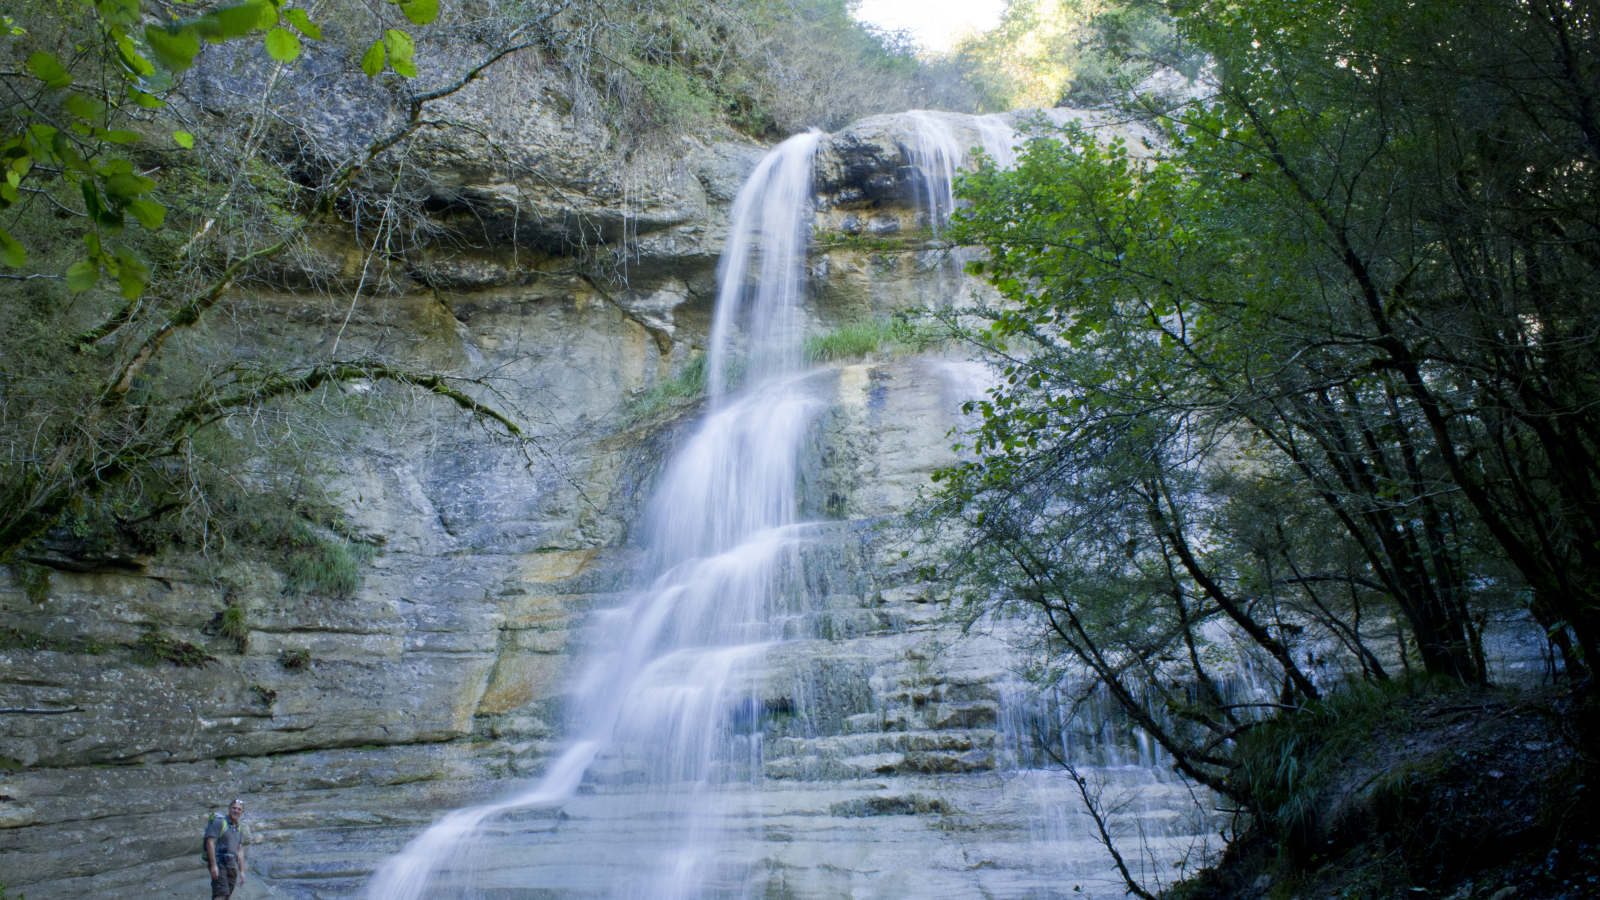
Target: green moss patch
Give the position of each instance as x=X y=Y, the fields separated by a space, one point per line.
x=295 y=660
x=155 y=647
x=19 y=639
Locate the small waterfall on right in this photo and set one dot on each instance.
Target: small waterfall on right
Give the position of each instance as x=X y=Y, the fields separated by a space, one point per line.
x=1157 y=818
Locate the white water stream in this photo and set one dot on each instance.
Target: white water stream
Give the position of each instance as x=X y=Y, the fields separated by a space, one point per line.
x=654 y=703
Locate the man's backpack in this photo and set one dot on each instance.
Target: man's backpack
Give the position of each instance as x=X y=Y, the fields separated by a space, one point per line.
x=203 y=857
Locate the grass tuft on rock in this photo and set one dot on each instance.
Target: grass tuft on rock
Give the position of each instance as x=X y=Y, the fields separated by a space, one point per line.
x=857 y=339
x=317 y=565
x=232 y=624
x=681 y=389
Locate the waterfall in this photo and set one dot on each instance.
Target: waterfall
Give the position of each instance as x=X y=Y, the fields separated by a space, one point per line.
x=937 y=152
x=666 y=699
x=767 y=226
x=881 y=776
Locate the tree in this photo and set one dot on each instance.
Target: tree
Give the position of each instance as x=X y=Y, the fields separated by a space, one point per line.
x=1322 y=353
x=98 y=387
x=1439 y=161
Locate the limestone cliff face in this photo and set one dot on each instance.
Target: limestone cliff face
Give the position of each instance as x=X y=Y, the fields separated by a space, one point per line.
x=577 y=280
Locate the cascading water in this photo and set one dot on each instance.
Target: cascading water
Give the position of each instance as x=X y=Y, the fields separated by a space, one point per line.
x=668 y=685
x=726 y=741
x=938 y=148
x=937 y=154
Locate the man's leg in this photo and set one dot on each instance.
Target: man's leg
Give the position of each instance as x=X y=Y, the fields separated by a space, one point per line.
x=227 y=879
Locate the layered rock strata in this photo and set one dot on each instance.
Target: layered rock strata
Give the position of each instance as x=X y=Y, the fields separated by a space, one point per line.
x=582 y=282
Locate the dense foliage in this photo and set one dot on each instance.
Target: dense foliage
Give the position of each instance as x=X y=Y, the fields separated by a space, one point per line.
x=767 y=67
x=1307 y=381
x=130 y=224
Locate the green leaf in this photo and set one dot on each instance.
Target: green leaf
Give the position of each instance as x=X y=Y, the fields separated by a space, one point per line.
x=82 y=275
x=401 y=51
x=131 y=282
x=148 y=101
x=48 y=70
x=100 y=211
x=118 y=12
x=372 y=60
x=117 y=137
x=83 y=107
x=149 y=213
x=132 y=59
x=240 y=20
x=127 y=187
x=12 y=253
x=173 y=50
x=91 y=199
x=183 y=139
x=159 y=83
x=205 y=28
x=132 y=274
x=421 y=11
x=303 y=24
x=61 y=147
x=282 y=45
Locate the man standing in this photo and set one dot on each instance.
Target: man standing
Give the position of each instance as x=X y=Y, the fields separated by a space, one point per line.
x=225 y=852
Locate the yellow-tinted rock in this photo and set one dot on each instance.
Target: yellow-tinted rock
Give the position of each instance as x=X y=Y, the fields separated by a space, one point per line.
x=520 y=679
x=556 y=565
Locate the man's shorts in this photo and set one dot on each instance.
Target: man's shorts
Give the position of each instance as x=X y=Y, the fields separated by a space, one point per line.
x=227 y=879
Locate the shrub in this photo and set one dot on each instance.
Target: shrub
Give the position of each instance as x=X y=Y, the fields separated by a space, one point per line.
x=1287 y=762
